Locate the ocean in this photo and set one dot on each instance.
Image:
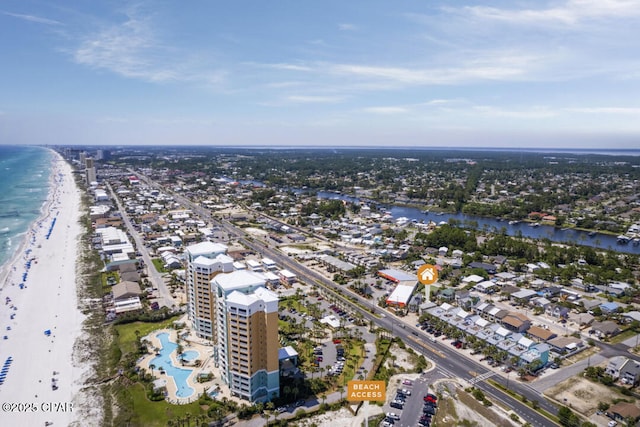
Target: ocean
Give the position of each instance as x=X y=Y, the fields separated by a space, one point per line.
x=24 y=186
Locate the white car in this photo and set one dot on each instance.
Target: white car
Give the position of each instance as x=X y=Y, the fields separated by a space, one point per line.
x=406 y=392
x=612 y=423
x=393 y=416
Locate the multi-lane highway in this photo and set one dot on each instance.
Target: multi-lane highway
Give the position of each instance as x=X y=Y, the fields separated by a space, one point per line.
x=448 y=359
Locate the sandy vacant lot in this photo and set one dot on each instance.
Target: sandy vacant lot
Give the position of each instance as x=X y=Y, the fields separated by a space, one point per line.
x=581 y=394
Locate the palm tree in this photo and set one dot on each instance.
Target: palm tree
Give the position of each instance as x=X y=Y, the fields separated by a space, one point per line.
x=522 y=372
x=514 y=361
x=270 y=409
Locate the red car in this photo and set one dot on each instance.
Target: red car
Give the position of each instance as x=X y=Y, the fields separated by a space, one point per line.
x=337 y=341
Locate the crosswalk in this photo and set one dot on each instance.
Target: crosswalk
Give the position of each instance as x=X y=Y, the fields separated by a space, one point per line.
x=479 y=378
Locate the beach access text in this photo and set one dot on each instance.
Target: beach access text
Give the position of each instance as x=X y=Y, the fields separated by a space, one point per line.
x=366 y=390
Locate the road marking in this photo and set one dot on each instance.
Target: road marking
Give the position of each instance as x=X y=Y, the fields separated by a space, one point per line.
x=426 y=346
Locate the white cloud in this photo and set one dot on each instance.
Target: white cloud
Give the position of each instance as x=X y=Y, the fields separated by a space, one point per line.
x=134 y=49
x=33 y=18
x=386 y=110
x=531 y=113
x=347 y=27
x=313 y=99
x=570 y=13
x=471 y=72
x=287 y=67
x=606 y=110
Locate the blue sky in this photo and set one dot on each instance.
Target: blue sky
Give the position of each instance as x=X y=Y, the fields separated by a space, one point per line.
x=393 y=73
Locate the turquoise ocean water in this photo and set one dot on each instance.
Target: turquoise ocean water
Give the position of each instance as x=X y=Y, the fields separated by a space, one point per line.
x=24 y=186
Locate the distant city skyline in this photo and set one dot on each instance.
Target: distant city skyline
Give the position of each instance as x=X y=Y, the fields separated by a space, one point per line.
x=412 y=73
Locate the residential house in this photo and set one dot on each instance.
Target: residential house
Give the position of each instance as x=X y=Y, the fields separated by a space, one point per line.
x=604 y=329
x=609 y=307
x=565 y=345
x=589 y=304
x=489 y=268
x=551 y=292
x=522 y=346
x=499 y=259
x=446 y=294
x=541 y=302
x=614 y=292
x=516 y=322
x=631 y=316
x=630 y=372
x=504 y=277
x=557 y=311
x=540 y=334
x=523 y=296
x=496 y=314
x=582 y=319
x=509 y=290
x=482 y=309
x=465 y=300
x=415 y=302
x=615 y=366
x=474 y=278
x=126 y=290
x=486 y=287
x=623 y=410
x=537 y=352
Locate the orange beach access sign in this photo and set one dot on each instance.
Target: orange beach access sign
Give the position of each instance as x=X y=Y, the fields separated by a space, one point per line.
x=366 y=390
x=427 y=274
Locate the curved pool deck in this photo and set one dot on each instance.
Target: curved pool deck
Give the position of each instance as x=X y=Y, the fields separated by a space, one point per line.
x=181 y=384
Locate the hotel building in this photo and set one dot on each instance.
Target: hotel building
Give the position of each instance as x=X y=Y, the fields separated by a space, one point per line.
x=247 y=335
x=204 y=261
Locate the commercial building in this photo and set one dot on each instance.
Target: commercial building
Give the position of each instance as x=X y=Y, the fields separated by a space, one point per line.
x=247 y=335
x=204 y=261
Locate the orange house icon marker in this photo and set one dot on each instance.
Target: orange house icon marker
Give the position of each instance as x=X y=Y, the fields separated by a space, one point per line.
x=427 y=274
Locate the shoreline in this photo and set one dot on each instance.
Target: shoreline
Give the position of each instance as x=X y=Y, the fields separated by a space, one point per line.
x=12 y=263
x=42 y=321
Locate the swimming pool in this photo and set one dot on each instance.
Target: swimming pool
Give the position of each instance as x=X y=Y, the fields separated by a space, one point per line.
x=189 y=356
x=164 y=361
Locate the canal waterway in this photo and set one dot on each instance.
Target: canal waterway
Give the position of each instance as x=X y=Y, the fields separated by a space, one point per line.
x=524 y=229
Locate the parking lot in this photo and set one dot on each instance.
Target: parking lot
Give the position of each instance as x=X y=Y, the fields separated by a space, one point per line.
x=407 y=405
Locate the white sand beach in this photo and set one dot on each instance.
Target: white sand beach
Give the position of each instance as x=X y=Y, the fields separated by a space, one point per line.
x=41 y=384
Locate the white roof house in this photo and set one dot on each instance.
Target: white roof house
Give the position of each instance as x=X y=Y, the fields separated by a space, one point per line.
x=524 y=294
x=254 y=265
x=474 y=278
x=484 y=286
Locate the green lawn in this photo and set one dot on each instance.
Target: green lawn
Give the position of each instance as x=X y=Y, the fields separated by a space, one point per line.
x=159 y=264
x=622 y=336
x=144 y=412
x=127 y=332
x=132 y=399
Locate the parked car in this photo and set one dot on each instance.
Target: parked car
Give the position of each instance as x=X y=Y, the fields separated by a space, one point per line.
x=393 y=416
x=397 y=405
